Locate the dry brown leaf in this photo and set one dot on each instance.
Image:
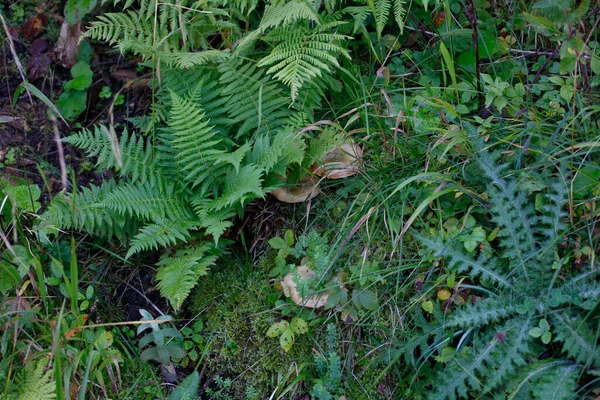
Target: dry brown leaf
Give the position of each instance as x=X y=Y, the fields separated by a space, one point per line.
x=341 y=162
x=67 y=45
x=297 y=193
x=34 y=26
x=315 y=301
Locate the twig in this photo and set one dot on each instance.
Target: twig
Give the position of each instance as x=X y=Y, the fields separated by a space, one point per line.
x=61 y=152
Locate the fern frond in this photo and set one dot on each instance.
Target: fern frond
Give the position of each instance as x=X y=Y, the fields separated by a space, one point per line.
x=92 y=216
x=197 y=147
x=146 y=201
x=178 y=274
x=359 y=15
x=285 y=149
x=127 y=31
x=36 y=383
x=284 y=13
x=187 y=60
x=214 y=222
x=399 y=14
x=130 y=155
x=381 y=12
x=578 y=340
x=240 y=187
x=303 y=55
x=161 y=233
x=253 y=100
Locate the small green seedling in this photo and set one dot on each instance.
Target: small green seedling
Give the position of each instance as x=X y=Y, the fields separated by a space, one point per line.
x=287 y=331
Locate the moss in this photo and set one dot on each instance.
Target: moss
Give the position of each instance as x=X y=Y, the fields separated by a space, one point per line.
x=237 y=311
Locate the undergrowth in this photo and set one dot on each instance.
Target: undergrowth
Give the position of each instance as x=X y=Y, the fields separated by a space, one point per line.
x=457 y=259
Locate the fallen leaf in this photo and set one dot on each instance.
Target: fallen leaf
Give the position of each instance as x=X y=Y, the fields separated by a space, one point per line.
x=39 y=46
x=39 y=62
x=67 y=45
x=34 y=26
x=296 y=193
x=340 y=162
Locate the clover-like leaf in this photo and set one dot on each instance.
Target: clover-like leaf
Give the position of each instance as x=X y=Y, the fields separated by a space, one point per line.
x=299 y=326
x=277 y=328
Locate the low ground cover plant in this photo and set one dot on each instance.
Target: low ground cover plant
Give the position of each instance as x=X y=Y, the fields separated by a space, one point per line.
x=457 y=257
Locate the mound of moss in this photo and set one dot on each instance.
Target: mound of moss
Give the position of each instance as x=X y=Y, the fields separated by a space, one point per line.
x=237 y=309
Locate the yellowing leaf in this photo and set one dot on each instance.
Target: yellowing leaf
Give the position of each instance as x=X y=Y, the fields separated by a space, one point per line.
x=443 y=294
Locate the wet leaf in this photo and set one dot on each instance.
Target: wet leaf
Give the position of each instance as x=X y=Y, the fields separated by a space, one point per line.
x=82 y=77
x=33 y=27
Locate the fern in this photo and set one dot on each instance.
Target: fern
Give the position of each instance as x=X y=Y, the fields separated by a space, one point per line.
x=130 y=155
x=240 y=187
x=303 y=55
x=253 y=101
x=283 y=13
x=161 y=233
x=36 y=383
x=178 y=274
x=195 y=142
x=146 y=202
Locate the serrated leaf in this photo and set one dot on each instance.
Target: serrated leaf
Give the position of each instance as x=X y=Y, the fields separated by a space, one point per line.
x=104 y=341
x=277 y=328
x=299 y=326
x=286 y=340
x=278 y=243
x=365 y=298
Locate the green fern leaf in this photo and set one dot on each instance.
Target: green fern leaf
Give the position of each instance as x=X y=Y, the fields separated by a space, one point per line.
x=197 y=146
x=399 y=14
x=240 y=187
x=252 y=98
x=284 y=13
x=303 y=55
x=35 y=384
x=130 y=155
x=214 y=222
x=381 y=12
x=161 y=233
x=178 y=274
x=147 y=202
x=186 y=60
